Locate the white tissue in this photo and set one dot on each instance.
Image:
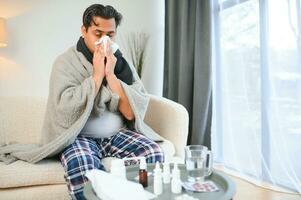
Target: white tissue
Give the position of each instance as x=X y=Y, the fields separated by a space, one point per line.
x=105 y=39
x=110 y=187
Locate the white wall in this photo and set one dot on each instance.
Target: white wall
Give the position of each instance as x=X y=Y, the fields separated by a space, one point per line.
x=41 y=30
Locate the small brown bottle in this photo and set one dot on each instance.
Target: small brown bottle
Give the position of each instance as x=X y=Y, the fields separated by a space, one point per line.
x=143 y=173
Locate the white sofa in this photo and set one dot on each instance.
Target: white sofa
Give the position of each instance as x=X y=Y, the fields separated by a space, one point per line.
x=21 y=120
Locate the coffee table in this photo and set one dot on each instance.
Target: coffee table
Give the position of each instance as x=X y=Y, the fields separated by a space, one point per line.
x=225 y=184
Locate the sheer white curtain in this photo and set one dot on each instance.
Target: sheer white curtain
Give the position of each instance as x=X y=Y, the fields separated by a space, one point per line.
x=256 y=129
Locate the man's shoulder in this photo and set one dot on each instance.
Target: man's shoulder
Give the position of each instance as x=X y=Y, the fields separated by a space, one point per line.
x=65 y=59
x=66 y=55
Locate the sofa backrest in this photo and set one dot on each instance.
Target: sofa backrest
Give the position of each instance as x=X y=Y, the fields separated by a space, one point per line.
x=21 y=119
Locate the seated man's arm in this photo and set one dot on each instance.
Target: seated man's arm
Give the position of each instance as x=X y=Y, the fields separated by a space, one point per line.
x=124 y=105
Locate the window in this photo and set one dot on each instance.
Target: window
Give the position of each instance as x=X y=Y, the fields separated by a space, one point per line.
x=257 y=90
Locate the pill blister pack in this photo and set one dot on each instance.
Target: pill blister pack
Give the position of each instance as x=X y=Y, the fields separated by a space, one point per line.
x=207 y=186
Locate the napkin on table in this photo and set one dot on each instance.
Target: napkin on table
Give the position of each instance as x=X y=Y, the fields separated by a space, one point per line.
x=110 y=187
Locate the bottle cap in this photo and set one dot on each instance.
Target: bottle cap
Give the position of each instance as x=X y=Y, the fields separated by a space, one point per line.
x=117 y=164
x=118 y=168
x=157 y=169
x=166 y=168
x=176 y=171
x=142 y=163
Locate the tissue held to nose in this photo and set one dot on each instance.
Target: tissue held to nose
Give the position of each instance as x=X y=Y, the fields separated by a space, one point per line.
x=104 y=40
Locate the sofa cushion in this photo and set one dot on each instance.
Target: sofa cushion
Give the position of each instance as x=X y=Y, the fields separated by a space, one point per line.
x=20 y=173
x=45 y=192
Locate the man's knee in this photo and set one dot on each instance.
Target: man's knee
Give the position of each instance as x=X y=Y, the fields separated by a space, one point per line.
x=80 y=162
x=154 y=153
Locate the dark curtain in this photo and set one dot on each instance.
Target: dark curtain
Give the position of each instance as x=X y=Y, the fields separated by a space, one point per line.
x=187 y=63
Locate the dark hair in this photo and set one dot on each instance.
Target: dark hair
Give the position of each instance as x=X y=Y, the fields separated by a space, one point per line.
x=99 y=10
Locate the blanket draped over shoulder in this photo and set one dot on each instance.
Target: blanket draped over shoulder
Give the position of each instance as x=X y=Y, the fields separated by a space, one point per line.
x=70 y=102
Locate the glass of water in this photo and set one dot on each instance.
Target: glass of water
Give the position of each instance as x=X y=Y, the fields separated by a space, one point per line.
x=198 y=160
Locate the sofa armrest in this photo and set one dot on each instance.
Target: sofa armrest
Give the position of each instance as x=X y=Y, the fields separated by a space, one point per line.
x=170 y=120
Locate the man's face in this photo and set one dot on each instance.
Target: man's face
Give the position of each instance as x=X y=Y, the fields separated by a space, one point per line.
x=101 y=28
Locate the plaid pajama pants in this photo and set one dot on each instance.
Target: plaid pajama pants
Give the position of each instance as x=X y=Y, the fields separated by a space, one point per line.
x=86 y=154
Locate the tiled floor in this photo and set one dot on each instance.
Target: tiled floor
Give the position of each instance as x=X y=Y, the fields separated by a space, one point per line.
x=246 y=191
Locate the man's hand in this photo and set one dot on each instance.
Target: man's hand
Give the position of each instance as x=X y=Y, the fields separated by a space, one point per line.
x=98 y=66
x=99 y=61
x=111 y=60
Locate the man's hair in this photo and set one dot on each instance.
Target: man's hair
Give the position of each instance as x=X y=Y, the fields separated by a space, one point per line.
x=99 y=10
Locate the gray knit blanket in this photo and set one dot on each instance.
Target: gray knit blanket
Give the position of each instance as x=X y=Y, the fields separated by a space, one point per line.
x=70 y=102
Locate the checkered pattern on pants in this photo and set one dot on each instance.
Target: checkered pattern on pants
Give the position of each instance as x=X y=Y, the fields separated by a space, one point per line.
x=86 y=154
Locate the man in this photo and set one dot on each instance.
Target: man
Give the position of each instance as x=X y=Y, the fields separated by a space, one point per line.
x=106 y=131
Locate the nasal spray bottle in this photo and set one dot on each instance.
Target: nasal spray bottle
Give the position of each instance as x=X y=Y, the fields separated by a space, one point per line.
x=176 y=184
x=158 y=186
x=166 y=173
x=142 y=172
